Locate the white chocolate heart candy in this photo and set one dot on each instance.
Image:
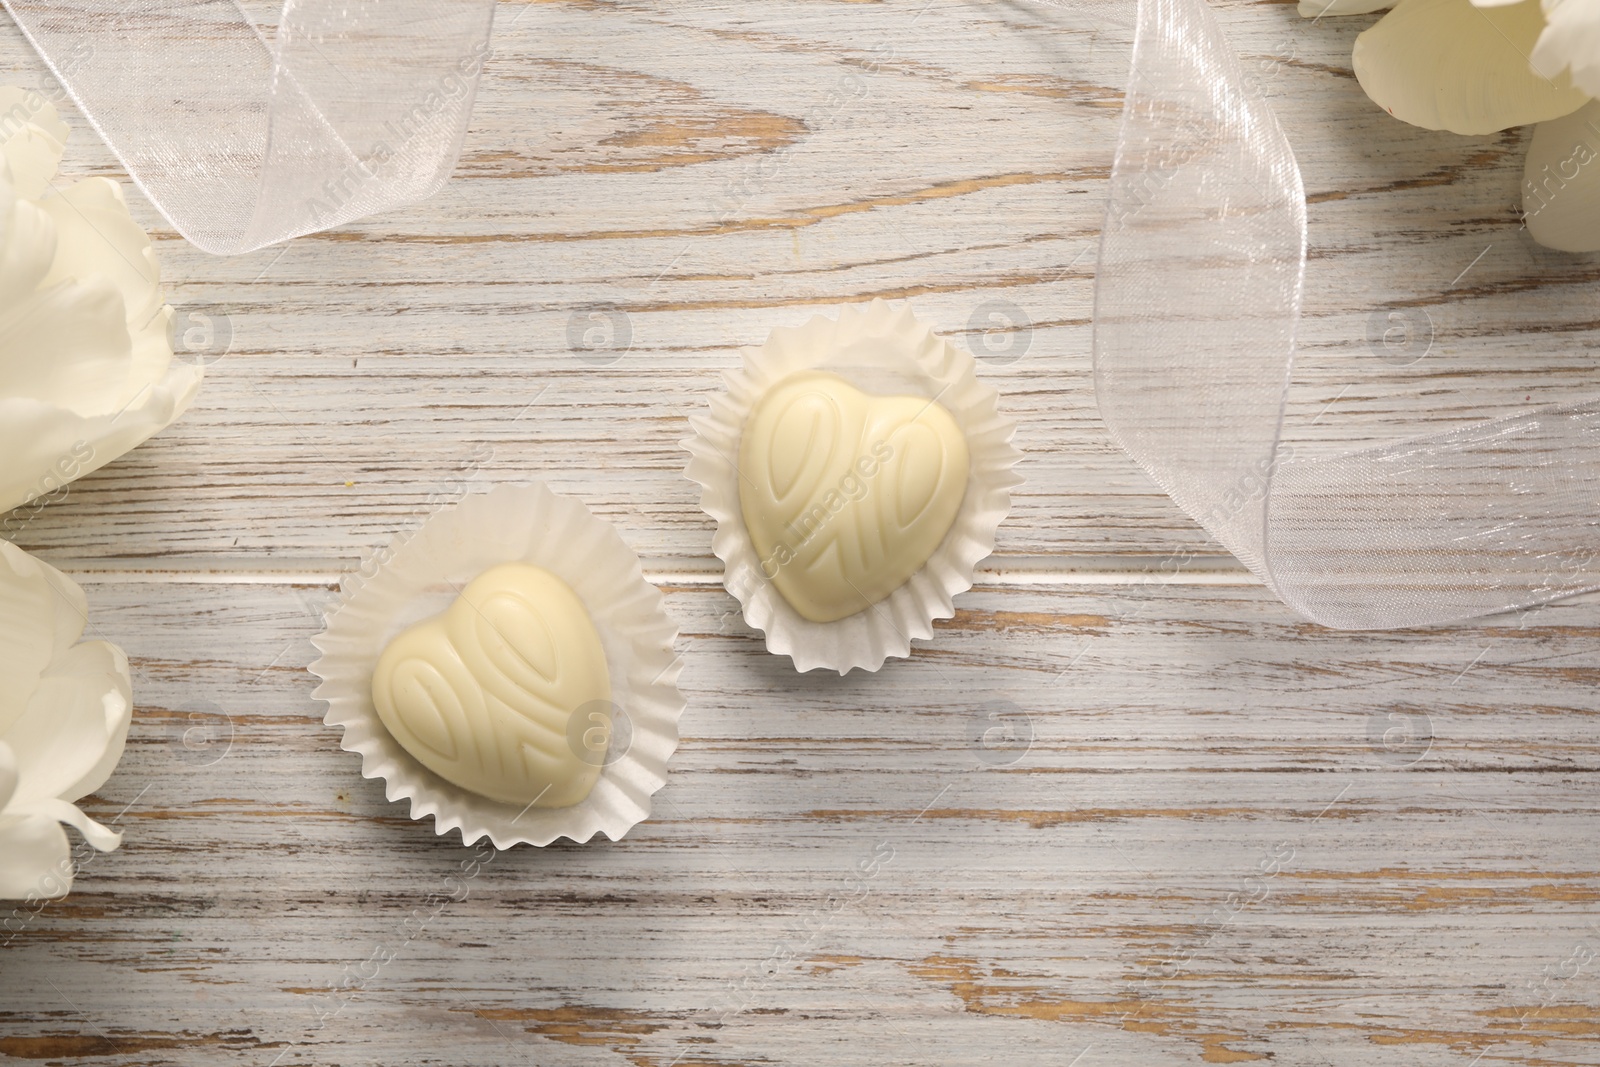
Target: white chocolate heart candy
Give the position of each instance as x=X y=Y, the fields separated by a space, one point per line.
x=484 y=694
x=847 y=495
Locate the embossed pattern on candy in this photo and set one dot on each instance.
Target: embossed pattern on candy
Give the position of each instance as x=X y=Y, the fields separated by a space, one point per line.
x=847 y=495
x=787 y=530
x=483 y=694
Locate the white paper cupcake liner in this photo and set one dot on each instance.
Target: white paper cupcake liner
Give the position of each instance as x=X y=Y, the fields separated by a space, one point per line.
x=881 y=349
x=422 y=575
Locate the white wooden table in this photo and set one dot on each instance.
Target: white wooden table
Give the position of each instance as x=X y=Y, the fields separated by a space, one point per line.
x=1222 y=834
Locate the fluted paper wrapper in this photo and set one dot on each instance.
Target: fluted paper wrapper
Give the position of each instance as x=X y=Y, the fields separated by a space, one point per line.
x=883 y=350
x=423 y=574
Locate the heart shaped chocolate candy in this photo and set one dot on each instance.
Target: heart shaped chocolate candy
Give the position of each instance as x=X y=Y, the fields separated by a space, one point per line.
x=483 y=695
x=846 y=495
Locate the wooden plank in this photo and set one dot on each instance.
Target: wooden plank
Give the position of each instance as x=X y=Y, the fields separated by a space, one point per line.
x=1233 y=836
x=687 y=166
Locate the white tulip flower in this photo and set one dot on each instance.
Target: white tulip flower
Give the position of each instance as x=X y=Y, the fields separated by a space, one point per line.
x=65 y=706
x=1453 y=65
x=1481 y=66
x=86 y=364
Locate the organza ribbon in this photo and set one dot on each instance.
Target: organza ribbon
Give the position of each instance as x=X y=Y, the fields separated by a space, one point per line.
x=245 y=135
x=1198 y=293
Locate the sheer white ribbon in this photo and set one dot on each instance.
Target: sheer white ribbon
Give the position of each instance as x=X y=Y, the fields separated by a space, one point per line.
x=245 y=138
x=246 y=135
x=1198 y=293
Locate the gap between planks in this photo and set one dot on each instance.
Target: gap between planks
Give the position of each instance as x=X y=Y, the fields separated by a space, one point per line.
x=1064 y=571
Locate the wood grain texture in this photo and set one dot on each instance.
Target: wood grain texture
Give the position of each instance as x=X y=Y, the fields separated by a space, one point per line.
x=1203 y=830
x=1229 y=836
x=704 y=171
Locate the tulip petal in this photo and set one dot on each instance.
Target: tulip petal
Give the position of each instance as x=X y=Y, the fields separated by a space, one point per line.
x=76 y=706
x=27 y=247
x=1447 y=65
x=1571 y=43
x=1561 y=182
x=152 y=349
x=86 y=363
x=33 y=136
x=31 y=159
x=69 y=342
x=98 y=836
x=71 y=736
x=8 y=774
x=48 y=445
x=37 y=859
x=95 y=236
x=42 y=612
